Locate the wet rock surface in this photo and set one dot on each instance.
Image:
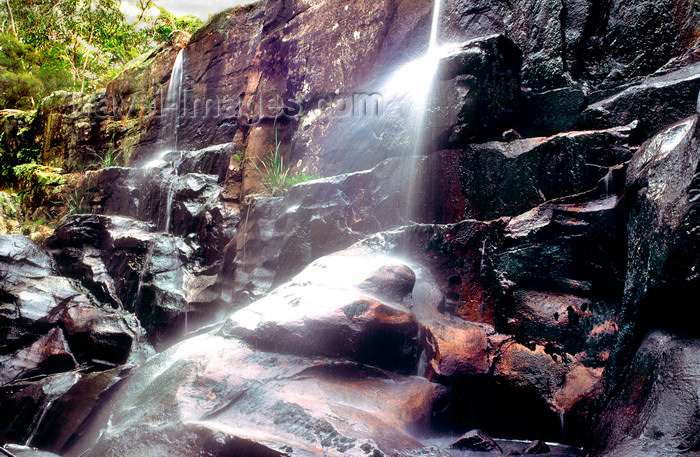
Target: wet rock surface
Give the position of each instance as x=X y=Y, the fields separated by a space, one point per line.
x=272 y=405
x=496 y=179
x=50 y=323
x=656 y=102
x=328 y=310
x=655 y=410
x=478 y=80
x=501 y=279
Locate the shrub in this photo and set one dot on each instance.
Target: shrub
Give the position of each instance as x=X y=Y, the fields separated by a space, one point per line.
x=275 y=173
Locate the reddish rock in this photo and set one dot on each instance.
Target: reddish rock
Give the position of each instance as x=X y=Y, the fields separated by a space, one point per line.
x=49 y=353
x=459 y=349
x=561 y=383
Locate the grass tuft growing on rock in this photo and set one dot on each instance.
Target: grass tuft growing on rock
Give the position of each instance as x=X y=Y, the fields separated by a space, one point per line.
x=276 y=175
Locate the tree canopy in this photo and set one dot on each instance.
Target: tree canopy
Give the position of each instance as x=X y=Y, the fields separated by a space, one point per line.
x=76 y=45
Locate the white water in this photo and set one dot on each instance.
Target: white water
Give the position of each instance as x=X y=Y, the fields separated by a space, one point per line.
x=38 y=423
x=421 y=74
x=173 y=101
x=142 y=273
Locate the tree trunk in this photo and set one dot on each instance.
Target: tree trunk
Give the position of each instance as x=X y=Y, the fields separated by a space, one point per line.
x=12 y=19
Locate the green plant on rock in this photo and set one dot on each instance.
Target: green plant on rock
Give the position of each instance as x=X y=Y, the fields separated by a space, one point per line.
x=78 y=201
x=37 y=183
x=276 y=175
x=113 y=158
x=239 y=156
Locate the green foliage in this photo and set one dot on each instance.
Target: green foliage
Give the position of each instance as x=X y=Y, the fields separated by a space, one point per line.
x=37 y=182
x=166 y=23
x=78 y=201
x=275 y=173
x=239 y=156
x=18 y=83
x=74 y=45
x=293 y=180
x=113 y=158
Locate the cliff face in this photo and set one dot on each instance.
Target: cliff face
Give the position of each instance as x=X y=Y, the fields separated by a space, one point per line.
x=522 y=269
x=251 y=63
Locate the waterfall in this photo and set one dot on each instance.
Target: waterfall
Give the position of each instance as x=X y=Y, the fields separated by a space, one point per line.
x=142 y=273
x=173 y=102
x=169 y=199
x=562 y=425
x=422 y=73
x=432 y=46
x=607 y=179
x=38 y=423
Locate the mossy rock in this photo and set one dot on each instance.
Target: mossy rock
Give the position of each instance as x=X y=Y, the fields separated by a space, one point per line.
x=10 y=214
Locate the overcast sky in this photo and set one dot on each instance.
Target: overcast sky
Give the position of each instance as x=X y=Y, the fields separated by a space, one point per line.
x=201 y=8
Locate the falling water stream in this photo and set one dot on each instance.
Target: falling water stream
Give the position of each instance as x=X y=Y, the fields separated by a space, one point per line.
x=173 y=102
x=170 y=126
x=38 y=423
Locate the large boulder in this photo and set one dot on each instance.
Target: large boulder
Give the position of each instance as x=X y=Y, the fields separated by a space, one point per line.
x=488 y=364
x=217 y=395
x=655 y=411
x=339 y=306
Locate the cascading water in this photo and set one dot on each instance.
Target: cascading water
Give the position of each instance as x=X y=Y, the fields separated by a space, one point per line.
x=170 y=126
x=38 y=423
x=173 y=101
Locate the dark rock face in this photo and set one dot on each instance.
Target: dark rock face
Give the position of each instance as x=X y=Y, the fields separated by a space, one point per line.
x=491 y=180
x=662 y=181
x=52 y=324
x=550 y=269
x=280 y=236
x=474 y=99
x=161 y=278
x=48 y=319
x=655 y=102
x=597 y=42
x=655 y=411
x=50 y=411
